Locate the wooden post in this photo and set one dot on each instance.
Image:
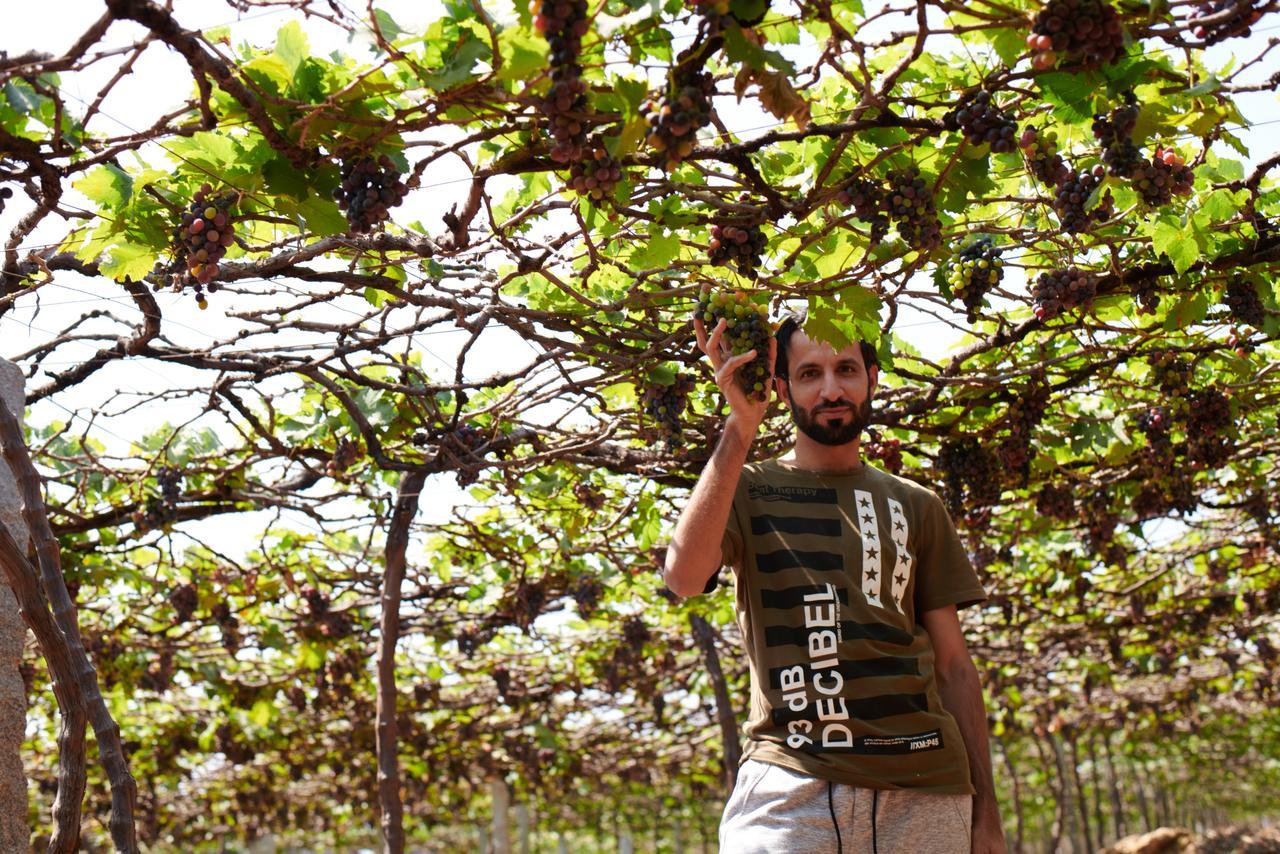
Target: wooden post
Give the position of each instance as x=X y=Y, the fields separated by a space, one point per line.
x=14 y=830
x=501 y=797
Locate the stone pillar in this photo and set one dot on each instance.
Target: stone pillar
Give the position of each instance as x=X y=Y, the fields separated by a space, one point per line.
x=501 y=822
x=14 y=833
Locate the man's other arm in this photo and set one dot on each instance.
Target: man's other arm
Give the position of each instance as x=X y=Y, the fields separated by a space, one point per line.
x=694 y=553
x=961 y=694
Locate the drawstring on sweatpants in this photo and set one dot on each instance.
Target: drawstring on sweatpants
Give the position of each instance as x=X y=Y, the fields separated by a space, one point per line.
x=875 y=801
x=832 y=806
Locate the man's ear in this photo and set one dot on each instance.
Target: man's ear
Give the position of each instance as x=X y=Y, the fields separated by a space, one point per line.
x=780 y=389
x=873 y=377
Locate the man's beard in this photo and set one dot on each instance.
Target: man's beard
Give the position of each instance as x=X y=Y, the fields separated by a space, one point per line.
x=840 y=432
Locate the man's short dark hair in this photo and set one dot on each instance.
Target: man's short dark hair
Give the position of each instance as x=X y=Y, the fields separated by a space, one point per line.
x=795 y=321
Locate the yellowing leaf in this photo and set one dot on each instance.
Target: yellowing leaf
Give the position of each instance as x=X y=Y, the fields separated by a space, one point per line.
x=776 y=94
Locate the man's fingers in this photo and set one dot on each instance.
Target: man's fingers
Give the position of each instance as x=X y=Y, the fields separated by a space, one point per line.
x=713 y=350
x=727 y=370
x=700 y=330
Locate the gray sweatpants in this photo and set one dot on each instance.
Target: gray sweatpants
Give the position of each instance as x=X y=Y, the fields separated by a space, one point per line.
x=774 y=810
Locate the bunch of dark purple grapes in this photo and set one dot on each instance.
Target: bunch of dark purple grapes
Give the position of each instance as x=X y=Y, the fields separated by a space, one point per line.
x=1087 y=31
x=564 y=23
x=674 y=120
x=746 y=328
x=1230 y=18
x=169 y=479
x=369 y=189
x=739 y=243
x=885 y=450
x=971 y=474
x=1114 y=132
x=910 y=204
x=665 y=405
x=1163 y=177
x=1057 y=291
x=976 y=269
x=595 y=175
x=1056 y=502
x=1072 y=196
x=981 y=121
x=869 y=203
x=207 y=231
x=1041 y=151
x=1242 y=300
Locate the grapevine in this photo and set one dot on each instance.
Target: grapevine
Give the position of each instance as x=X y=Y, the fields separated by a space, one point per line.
x=910 y=203
x=6 y=193
x=975 y=270
x=739 y=243
x=1087 y=31
x=1057 y=291
x=564 y=23
x=665 y=404
x=675 y=120
x=747 y=328
x=1043 y=159
x=1072 y=197
x=206 y=232
x=369 y=189
x=1163 y=177
x=1241 y=299
x=597 y=174
x=869 y=203
x=982 y=121
x=1245 y=13
x=1114 y=132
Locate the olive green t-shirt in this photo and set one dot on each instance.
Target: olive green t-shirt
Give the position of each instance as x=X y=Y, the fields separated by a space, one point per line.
x=832 y=573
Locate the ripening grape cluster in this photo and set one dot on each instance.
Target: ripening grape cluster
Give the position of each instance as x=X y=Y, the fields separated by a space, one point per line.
x=1114 y=132
x=1056 y=502
x=1041 y=151
x=971 y=474
x=1057 y=291
x=675 y=120
x=184 y=599
x=369 y=189
x=976 y=269
x=1163 y=177
x=909 y=202
x=737 y=243
x=746 y=328
x=1244 y=14
x=867 y=198
x=586 y=594
x=885 y=450
x=1073 y=194
x=207 y=231
x=169 y=479
x=981 y=121
x=1087 y=31
x=665 y=404
x=564 y=23
x=1171 y=373
x=345 y=453
x=1242 y=300
x=1022 y=418
x=596 y=174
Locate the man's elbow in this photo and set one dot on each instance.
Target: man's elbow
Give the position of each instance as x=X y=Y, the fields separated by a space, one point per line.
x=957 y=670
x=680 y=579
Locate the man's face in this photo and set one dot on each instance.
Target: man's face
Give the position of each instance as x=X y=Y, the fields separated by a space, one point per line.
x=829 y=393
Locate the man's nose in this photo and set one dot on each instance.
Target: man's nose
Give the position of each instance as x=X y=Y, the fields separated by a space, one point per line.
x=830 y=386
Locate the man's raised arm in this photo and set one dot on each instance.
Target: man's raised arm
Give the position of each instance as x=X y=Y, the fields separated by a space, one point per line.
x=694 y=553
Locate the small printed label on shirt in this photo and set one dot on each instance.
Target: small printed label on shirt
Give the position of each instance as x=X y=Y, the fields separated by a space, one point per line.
x=880 y=745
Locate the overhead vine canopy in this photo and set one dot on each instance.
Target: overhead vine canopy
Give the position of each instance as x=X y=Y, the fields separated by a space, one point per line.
x=1070 y=191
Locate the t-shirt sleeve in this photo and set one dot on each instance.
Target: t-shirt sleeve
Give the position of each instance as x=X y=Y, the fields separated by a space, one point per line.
x=944 y=574
x=730 y=548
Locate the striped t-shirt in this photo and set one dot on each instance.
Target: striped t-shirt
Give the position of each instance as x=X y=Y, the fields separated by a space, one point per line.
x=832 y=574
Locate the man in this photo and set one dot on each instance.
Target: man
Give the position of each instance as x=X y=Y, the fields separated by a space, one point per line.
x=867 y=731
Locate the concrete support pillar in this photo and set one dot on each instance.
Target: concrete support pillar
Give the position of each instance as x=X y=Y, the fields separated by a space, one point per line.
x=14 y=831
x=501 y=820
